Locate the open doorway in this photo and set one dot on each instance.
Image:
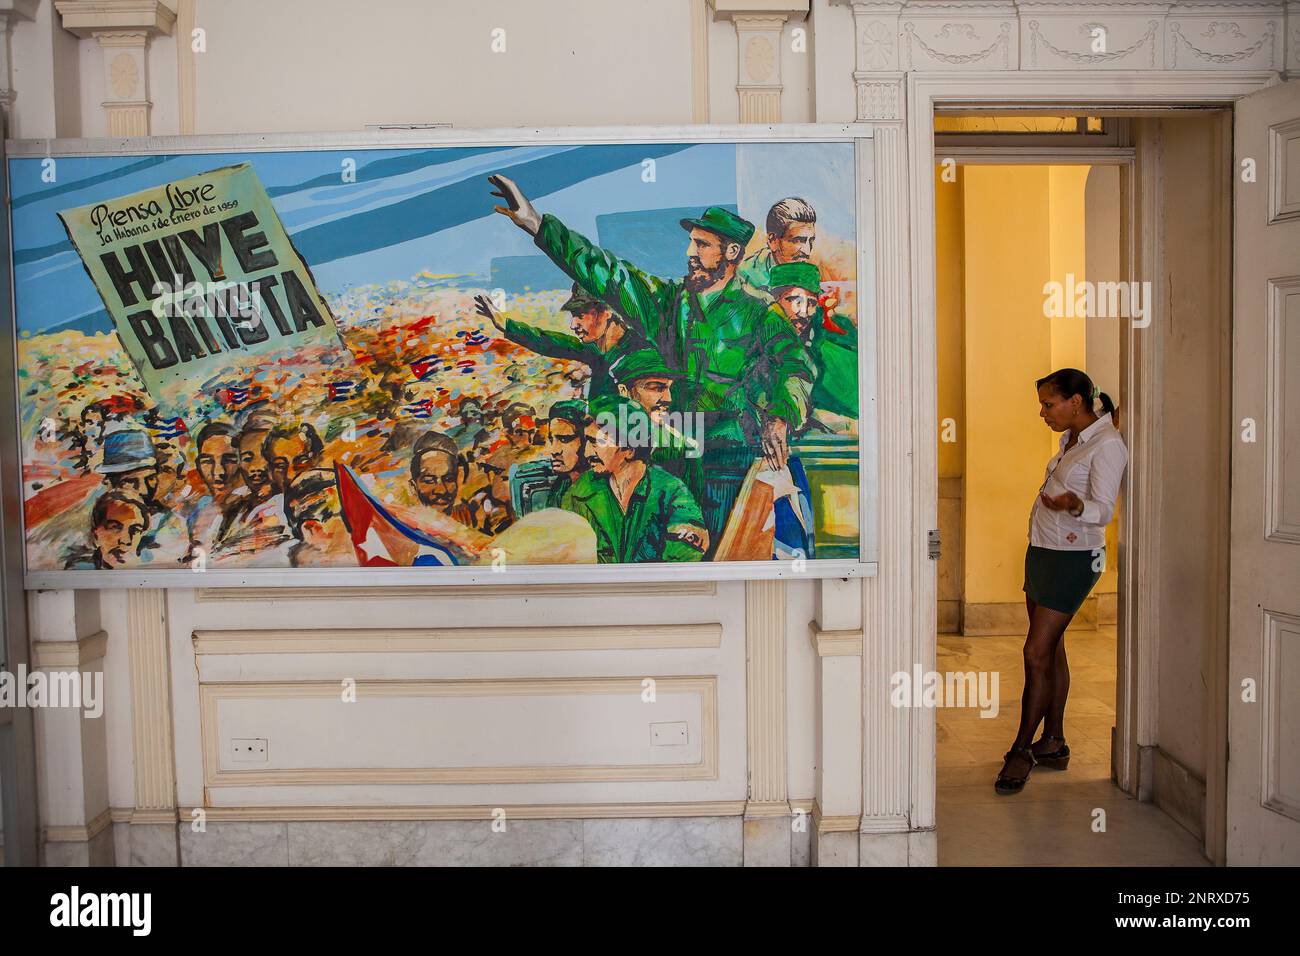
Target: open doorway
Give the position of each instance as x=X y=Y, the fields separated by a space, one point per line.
x=1039 y=231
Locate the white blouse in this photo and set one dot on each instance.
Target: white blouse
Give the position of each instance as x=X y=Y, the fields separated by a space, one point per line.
x=1093 y=469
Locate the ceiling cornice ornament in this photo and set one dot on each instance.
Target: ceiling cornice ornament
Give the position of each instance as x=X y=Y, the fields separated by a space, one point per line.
x=89 y=18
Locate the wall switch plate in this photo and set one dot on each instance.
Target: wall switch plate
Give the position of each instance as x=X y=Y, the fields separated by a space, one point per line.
x=668 y=735
x=248 y=749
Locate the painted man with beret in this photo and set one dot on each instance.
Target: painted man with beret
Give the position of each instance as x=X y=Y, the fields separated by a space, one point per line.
x=831 y=340
x=743 y=368
x=600 y=336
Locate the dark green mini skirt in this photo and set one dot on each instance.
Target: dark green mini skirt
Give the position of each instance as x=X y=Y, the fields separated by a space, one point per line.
x=1061 y=580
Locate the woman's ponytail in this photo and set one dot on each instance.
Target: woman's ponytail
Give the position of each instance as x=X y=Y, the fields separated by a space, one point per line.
x=1108 y=408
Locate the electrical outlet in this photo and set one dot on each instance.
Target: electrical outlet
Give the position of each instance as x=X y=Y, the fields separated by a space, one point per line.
x=668 y=735
x=248 y=749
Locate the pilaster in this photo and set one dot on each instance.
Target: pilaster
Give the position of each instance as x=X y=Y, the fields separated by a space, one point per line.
x=11 y=10
x=153 y=821
x=123 y=29
x=767 y=809
x=759 y=25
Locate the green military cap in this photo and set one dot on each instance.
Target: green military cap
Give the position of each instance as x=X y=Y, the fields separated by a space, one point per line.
x=625 y=421
x=580 y=300
x=572 y=410
x=628 y=368
x=724 y=222
x=803 y=275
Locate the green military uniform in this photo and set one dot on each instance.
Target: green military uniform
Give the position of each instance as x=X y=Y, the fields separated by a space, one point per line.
x=832 y=342
x=741 y=364
x=534 y=485
x=755 y=269
x=661 y=517
x=642 y=533
x=562 y=345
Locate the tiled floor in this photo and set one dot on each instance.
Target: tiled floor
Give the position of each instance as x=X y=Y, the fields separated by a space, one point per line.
x=1050 y=822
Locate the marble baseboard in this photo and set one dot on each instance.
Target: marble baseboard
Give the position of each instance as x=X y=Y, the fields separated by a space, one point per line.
x=235 y=844
x=436 y=843
x=664 y=841
x=768 y=841
x=658 y=841
x=154 y=844
x=835 y=849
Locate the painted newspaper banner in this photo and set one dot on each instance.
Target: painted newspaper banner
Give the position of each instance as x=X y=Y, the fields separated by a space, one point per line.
x=438 y=357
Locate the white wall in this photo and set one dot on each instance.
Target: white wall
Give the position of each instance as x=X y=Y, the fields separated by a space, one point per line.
x=338 y=64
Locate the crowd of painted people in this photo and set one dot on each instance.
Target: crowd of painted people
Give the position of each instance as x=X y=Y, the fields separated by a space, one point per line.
x=749 y=346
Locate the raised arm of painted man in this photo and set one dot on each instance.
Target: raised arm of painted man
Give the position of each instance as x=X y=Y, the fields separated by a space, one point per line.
x=640 y=298
x=546 y=342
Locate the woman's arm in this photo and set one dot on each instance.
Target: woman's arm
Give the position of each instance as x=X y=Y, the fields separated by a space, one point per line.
x=1105 y=473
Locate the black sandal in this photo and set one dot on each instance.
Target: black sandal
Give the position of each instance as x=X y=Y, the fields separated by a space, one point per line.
x=1057 y=759
x=1006 y=784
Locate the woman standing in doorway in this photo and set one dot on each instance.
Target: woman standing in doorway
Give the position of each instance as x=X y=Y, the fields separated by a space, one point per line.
x=1066 y=555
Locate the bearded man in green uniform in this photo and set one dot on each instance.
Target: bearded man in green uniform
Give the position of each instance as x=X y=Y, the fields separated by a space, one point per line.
x=638 y=511
x=743 y=368
x=600 y=337
x=831 y=340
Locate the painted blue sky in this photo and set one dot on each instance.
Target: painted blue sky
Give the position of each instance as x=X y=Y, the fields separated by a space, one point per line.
x=414 y=210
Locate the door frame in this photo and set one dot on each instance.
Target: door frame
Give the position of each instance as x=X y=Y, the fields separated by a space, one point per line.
x=1136 y=699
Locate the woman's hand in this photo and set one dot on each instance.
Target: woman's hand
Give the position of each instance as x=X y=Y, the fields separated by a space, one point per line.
x=1067 y=502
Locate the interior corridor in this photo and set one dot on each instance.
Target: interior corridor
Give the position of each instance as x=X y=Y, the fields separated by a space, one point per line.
x=1051 y=822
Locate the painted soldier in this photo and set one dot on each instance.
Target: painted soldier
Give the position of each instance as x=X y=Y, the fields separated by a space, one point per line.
x=831 y=340
x=743 y=368
x=600 y=336
x=638 y=511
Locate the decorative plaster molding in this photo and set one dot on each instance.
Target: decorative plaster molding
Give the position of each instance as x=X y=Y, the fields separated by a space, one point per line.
x=765 y=622
x=123 y=29
x=69 y=655
x=186 y=74
x=842 y=823
x=210 y=695
x=456 y=639
x=758 y=83
x=78 y=834
x=1000 y=48
x=549 y=811
x=880 y=96
x=890 y=744
x=737 y=9
x=151 y=708
x=11 y=10
x=1148 y=40
x=1267 y=43
x=87 y=18
x=699 y=60
x=452 y=592
x=835 y=643
x=1012 y=35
